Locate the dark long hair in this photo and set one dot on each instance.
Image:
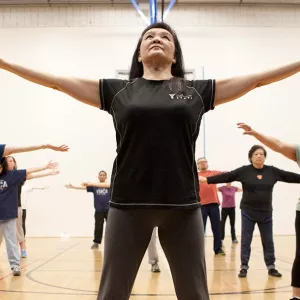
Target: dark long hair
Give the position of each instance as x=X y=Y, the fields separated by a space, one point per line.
x=4 y=166
x=177 y=69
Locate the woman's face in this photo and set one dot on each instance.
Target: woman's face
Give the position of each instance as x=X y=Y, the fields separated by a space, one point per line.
x=258 y=157
x=10 y=163
x=157 y=47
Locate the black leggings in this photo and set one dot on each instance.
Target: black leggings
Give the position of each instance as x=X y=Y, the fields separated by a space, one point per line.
x=228 y=212
x=296 y=266
x=127 y=237
x=24 y=220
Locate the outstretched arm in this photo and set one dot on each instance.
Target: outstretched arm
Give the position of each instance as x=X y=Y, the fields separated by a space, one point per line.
x=97 y=184
x=39 y=175
x=84 y=90
x=8 y=150
x=230 y=89
x=285 y=176
x=50 y=166
x=74 y=187
x=285 y=149
x=221 y=178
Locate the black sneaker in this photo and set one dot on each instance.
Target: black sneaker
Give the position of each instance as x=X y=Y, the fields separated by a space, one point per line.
x=274 y=273
x=243 y=273
x=220 y=253
x=95 y=246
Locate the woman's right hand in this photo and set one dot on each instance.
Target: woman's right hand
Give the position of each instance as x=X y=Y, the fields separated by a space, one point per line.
x=69 y=186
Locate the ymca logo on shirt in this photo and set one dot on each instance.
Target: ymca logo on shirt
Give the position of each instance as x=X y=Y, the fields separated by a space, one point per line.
x=181 y=97
x=3 y=185
x=102 y=192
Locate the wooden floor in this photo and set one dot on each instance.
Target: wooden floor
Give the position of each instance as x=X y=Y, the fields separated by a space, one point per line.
x=70 y=270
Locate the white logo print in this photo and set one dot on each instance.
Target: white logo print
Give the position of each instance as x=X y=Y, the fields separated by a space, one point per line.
x=3 y=185
x=181 y=97
x=102 y=192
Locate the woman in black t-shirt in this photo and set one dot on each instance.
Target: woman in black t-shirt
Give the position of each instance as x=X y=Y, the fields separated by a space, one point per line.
x=157 y=116
x=292 y=152
x=258 y=181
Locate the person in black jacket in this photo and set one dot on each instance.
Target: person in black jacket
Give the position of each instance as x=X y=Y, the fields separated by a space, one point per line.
x=258 y=181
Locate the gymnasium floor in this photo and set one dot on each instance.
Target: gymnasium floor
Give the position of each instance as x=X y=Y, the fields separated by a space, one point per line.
x=68 y=270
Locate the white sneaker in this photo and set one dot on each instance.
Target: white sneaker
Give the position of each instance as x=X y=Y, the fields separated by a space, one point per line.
x=16 y=271
x=155 y=268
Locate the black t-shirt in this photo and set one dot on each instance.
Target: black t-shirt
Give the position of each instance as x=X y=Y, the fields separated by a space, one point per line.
x=156 y=131
x=257 y=184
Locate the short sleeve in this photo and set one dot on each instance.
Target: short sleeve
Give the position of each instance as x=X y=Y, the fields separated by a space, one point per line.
x=90 y=189
x=109 y=88
x=206 y=90
x=2 y=147
x=298 y=154
x=19 y=177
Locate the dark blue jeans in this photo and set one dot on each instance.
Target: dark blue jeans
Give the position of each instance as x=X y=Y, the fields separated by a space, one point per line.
x=264 y=220
x=212 y=211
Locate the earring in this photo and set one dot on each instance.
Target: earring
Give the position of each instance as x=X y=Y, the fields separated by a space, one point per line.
x=174 y=61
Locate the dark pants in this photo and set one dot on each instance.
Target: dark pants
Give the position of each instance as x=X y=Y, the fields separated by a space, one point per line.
x=264 y=220
x=228 y=211
x=127 y=237
x=100 y=216
x=296 y=266
x=24 y=221
x=212 y=211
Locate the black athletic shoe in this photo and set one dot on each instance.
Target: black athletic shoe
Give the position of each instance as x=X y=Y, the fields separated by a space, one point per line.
x=274 y=273
x=243 y=273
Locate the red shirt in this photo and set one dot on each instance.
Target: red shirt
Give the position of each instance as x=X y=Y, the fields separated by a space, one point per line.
x=208 y=192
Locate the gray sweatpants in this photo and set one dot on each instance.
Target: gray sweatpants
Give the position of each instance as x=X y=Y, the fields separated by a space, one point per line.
x=9 y=229
x=127 y=237
x=152 y=249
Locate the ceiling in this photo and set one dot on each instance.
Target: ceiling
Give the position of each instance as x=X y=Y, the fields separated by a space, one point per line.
x=183 y=2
